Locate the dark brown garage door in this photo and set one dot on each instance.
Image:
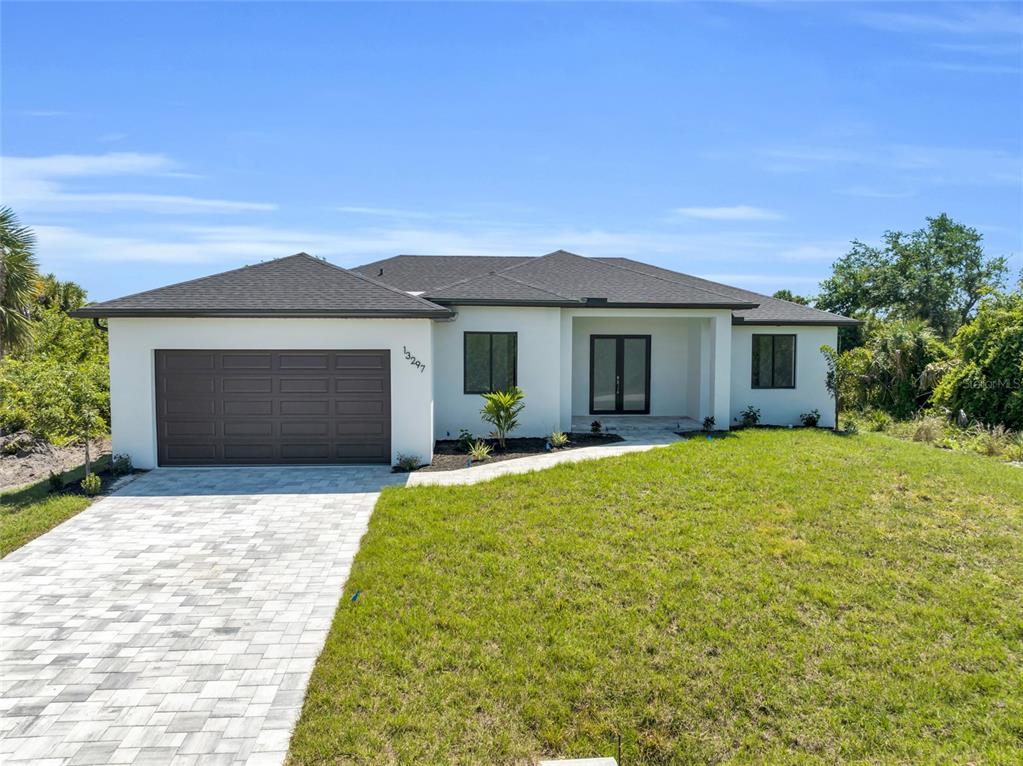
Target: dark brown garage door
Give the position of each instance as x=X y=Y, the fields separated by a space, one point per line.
x=271 y=407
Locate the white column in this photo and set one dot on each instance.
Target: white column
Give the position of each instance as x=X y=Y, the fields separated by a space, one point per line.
x=565 y=378
x=721 y=380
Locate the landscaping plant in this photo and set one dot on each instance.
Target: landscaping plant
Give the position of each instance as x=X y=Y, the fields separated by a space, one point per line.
x=810 y=419
x=501 y=409
x=749 y=417
x=91 y=484
x=480 y=450
x=558 y=439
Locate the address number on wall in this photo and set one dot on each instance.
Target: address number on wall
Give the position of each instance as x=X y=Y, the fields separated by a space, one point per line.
x=412 y=359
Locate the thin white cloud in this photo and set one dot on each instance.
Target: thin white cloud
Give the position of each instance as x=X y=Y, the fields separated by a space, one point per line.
x=987 y=20
x=970 y=68
x=935 y=164
x=382 y=212
x=815 y=251
x=729 y=213
x=40 y=184
x=873 y=193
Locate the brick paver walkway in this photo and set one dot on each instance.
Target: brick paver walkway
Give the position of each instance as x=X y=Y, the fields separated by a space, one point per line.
x=178 y=620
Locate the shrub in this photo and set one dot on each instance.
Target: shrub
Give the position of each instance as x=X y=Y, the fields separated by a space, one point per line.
x=558 y=439
x=501 y=409
x=991 y=440
x=596 y=427
x=749 y=417
x=708 y=423
x=465 y=439
x=878 y=420
x=810 y=419
x=120 y=465
x=851 y=429
x=928 y=428
x=986 y=380
x=408 y=463
x=480 y=450
x=91 y=484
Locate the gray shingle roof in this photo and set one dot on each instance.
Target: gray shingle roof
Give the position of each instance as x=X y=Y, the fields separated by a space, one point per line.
x=298 y=285
x=769 y=311
x=419 y=273
x=559 y=278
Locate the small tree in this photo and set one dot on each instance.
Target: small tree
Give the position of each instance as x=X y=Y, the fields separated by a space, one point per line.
x=835 y=378
x=501 y=409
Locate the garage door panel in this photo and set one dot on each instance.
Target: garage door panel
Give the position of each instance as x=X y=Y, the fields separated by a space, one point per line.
x=247 y=361
x=305 y=361
x=189 y=407
x=249 y=407
x=305 y=385
x=266 y=407
x=305 y=407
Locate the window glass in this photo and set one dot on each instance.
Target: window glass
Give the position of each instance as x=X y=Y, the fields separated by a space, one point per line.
x=503 y=361
x=784 y=361
x=489 y=361
x=477 y=362
x=774 y=361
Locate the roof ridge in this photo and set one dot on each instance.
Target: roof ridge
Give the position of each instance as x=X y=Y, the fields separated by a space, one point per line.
x=670 y=281
x=764 y=296
x=374 y=282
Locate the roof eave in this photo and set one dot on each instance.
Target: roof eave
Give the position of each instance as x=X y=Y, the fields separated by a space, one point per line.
x=111 y=313
x=836 y=322
x=583 y=304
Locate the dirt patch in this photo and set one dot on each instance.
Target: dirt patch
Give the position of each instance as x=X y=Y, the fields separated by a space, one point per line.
x=27 y=460
x=448 y=454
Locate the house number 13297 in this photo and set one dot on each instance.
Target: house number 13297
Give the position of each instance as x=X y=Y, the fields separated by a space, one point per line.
x=412 y=359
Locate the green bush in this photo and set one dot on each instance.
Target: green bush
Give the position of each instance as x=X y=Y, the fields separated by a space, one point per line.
x=749 y=417
x=91 y=484
x=501 y=409
x=408 y=463
x=558 y=439
x=810 y=419
x=986 y=381
x=480 y=450
x=878 y=420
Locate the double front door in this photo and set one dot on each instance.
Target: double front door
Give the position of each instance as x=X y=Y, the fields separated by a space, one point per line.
x=620 y=374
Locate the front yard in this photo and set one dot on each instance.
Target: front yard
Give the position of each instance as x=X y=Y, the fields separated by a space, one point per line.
x=770 y=596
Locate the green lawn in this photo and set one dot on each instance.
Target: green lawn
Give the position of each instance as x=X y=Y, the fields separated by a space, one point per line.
x=29 y=512
x=773 y=596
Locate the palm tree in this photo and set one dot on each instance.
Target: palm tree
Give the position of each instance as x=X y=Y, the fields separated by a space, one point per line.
x=19 y=281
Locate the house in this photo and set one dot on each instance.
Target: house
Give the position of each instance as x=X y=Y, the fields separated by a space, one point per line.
x=296 y=360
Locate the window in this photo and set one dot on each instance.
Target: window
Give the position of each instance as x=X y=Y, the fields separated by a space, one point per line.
x=774 y=361
x=490 y=361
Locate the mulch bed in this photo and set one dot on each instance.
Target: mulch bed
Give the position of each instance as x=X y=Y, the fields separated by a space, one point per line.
x=448 y=455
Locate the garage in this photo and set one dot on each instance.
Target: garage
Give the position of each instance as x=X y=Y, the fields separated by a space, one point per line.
x=272 y=407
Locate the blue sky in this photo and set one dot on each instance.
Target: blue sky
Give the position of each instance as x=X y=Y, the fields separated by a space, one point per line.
x=148 y=143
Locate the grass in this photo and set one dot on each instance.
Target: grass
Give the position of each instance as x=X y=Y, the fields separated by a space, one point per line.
x=775 y=596
x=30 y=511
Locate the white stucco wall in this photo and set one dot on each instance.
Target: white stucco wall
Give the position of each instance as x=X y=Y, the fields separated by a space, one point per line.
x=783 y=406
x=674 y=390
x=132 y=383
x=539 y=368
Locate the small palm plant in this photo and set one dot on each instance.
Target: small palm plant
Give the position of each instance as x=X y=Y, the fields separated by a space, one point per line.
x=501 y=409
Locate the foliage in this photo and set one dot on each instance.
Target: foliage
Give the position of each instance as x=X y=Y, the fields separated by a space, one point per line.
x=91 y=484
x=62 y=296
x=596 y=427
x=810 y=419
x=465 y=439
x=708 y=423
x=408 y=463
x=937 y=274
x=558 y=439
x=749 y=417
x=928 y=428
x=987 y=380
x=501 y=409
x=24 y=518
x=791 y=297
x=893 y=371
x=19 y=278
x=480 y=450
x=858 y=603
x=878 y=420
x=58 y=402
x=120 y=465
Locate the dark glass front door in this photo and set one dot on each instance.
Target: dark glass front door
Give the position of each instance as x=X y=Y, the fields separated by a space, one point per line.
x=620 y=374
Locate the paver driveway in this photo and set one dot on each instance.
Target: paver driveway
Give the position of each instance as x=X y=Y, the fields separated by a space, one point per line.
x=179 y=619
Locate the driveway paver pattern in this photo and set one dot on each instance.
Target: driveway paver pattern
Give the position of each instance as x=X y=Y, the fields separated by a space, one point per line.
x=178 y=620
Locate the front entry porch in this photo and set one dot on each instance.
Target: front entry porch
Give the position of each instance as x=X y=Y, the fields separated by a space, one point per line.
x=633 y=425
